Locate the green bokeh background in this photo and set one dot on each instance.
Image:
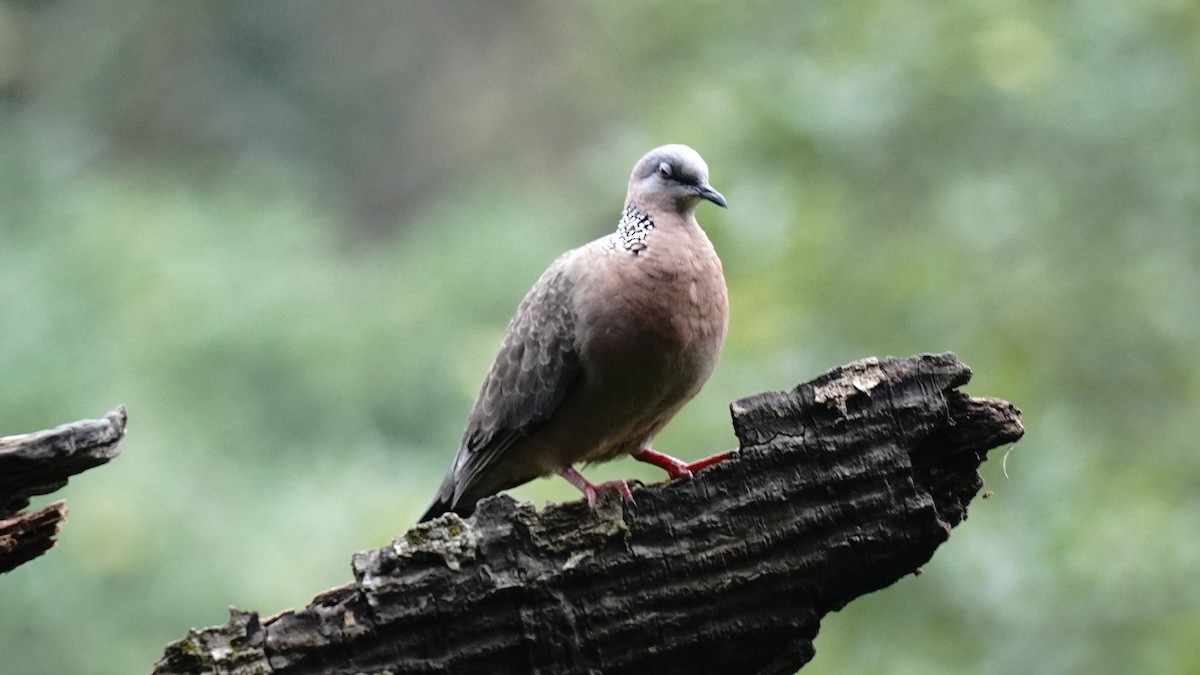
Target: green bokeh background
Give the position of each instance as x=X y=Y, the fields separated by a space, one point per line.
x=288 y=235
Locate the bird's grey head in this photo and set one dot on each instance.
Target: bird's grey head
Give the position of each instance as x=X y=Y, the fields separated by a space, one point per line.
x=671 y=178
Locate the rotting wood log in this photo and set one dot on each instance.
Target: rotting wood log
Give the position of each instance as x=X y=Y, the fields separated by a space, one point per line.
x=842 y=486
x=40 y=463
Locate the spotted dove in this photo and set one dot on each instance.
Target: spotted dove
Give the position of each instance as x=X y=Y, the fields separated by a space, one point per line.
x=613 y=339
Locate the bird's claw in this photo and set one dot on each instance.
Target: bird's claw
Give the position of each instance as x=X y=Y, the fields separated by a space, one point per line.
x=619 y=485
x=590 y=491
x=677 y=468
x=679 y=472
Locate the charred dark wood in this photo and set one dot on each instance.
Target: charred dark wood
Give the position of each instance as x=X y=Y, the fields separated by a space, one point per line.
x=38 y=464
x=843 y=486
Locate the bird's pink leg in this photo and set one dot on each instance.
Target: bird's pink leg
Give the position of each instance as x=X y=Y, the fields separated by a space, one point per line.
x=677 y=468
x=589 y=490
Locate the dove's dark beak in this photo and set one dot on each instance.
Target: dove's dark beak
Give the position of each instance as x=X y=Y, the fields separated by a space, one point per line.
x=706 y=192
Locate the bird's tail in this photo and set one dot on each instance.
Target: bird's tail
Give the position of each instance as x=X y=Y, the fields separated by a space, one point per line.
x=443 y=501
x=441 y=504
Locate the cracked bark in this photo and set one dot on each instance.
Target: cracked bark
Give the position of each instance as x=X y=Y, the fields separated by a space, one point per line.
x=38 y=464
x=843 y=486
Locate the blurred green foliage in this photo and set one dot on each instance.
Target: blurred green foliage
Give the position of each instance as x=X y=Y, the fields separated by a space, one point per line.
x=289 y=235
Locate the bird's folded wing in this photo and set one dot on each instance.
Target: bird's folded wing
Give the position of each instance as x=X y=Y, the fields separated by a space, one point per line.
x=536 y=365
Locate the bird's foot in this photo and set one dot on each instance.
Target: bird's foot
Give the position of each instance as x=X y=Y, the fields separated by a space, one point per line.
x=590 y=491
x=678 y=468
x=621 y=486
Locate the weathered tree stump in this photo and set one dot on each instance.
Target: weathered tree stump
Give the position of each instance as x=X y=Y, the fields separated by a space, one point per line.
x=843 y=486
x=38 y=464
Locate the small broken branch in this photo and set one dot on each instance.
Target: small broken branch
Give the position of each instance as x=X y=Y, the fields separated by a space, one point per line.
x=40 y=463
x=843 y=486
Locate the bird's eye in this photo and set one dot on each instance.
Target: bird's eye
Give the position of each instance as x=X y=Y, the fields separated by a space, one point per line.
x=664 y=170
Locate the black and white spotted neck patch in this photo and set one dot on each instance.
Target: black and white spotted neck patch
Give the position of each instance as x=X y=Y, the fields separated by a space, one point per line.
x=632 y=231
